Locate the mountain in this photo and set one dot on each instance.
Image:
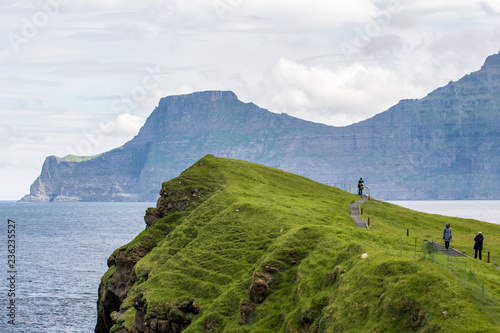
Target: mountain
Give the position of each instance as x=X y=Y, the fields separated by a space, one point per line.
x=443 y=146
x=233 y=246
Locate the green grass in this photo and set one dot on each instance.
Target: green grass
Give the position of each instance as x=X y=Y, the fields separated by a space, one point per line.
x=76 y=158
x=255 y=222
x=390 y=222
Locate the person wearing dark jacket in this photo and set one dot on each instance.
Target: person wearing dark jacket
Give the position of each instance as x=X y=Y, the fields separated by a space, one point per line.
x=447 y=236
x=478 y=245
x=360 y=186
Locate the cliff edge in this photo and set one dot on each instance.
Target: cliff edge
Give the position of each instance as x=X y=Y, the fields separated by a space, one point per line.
x=236 y=246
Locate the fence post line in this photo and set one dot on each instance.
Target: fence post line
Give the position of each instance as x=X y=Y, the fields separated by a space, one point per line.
x=415 y=252
x=407 y=232
x=448 y=264
x=465 y=279
x=488 y=257
x=361 y=211
x=482 y=296
x=432 y=251
x=368 y=221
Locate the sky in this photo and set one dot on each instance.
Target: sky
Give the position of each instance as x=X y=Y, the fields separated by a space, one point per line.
x=81 y=77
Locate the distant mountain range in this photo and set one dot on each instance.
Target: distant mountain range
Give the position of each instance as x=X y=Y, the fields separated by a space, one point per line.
x=443 y=146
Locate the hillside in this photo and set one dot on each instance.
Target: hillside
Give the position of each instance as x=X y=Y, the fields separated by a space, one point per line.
x=443 y=146
x=234 y=246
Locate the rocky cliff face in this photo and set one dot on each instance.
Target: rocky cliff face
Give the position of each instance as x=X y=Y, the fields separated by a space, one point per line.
x=117 y=282
x=444 y=146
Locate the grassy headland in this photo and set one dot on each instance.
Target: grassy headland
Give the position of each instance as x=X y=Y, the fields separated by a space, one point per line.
x=262 y=250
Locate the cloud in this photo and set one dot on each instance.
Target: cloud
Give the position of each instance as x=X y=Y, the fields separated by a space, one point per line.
x=7 y=135
x=491 y=7
x=18 y=182
x=88 y=65
x=103 y=136
x=21 y=149
x=299 y=15
x=124 y=125
x=338 y=96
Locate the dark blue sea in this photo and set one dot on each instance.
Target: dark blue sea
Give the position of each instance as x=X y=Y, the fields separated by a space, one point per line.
x=61 y=251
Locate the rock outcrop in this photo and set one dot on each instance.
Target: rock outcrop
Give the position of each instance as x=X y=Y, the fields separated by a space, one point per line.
x=443 y=146
x=117 y=282
x=114 y=289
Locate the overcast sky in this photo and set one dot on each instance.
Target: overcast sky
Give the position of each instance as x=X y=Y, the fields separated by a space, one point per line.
x=81 y=76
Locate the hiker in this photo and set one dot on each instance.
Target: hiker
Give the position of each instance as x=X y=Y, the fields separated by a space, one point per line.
x=447 y=236
x=478 y=245
x=360 y=186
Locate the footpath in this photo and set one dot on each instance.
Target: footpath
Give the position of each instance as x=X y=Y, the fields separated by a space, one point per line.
x=354 y=212
x=360 y=223
x=451 y=251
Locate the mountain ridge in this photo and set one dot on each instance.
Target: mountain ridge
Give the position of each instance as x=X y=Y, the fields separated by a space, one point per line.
x=443 y=146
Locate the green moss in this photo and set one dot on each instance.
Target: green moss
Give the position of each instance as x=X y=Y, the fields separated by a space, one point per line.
x=76 y=158
x=109 y=272
x=127 y=320
x=115 y=328
x=105 y=279
x=255 y=222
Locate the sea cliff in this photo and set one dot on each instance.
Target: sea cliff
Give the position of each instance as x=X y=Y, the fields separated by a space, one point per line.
x=233 y=246
x=443 y=146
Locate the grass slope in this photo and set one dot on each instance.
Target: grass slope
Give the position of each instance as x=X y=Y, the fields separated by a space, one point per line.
x=76 y=158
x=256 y=222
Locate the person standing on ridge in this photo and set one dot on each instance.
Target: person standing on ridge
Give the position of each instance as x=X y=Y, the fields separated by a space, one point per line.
x=360 y=186
x=447 y=236
x=478 y=245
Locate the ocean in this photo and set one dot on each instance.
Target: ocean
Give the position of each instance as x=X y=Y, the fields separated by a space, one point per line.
x=482 y=210
x=61 y=251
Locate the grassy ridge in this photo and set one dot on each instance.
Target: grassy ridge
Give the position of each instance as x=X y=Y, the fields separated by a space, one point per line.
x=256 y=224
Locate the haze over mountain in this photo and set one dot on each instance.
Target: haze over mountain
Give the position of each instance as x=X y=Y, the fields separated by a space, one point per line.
x=443 y=146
